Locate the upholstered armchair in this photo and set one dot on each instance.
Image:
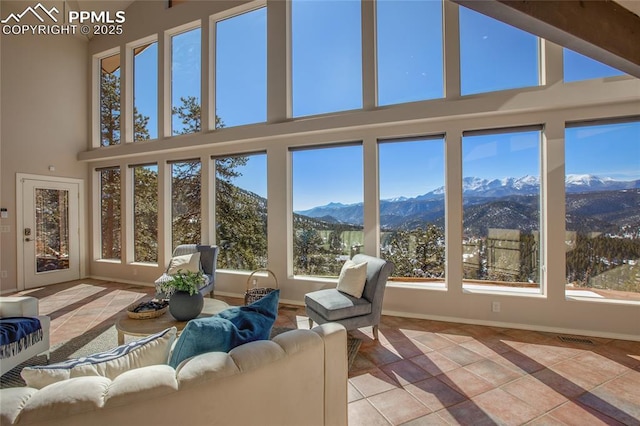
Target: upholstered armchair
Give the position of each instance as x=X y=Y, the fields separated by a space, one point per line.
x=208 y=260
x=331 y=305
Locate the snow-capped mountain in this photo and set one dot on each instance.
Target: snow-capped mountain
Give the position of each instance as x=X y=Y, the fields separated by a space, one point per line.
x=529 y=185
x=473 y=188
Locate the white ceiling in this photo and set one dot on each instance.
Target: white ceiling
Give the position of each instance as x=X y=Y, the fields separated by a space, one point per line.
x=632 y=5
x=106 y=5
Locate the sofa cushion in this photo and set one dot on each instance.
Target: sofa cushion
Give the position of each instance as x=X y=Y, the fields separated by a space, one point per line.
x=352 y=278
x=64 y=399
x=334 y=305
x=151 y=350
x=228 y=329
x=13 y=400
x=141 y=384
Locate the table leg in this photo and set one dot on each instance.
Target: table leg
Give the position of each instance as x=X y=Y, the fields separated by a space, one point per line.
x=120 y=338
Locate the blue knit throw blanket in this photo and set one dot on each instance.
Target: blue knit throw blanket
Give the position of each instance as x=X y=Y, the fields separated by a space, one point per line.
x=18 y=333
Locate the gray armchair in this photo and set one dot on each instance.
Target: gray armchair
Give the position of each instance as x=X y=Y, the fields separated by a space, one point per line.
x=208 y=259
x=331 y=305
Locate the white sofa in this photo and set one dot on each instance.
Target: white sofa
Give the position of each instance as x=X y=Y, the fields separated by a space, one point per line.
x=298 y=378
x=24 y=306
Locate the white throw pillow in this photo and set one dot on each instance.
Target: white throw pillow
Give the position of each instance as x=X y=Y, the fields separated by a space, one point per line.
x=186 y=262
x=151 y=350
x=352 y=278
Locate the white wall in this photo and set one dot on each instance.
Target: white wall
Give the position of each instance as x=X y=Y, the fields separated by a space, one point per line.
x=44 y=117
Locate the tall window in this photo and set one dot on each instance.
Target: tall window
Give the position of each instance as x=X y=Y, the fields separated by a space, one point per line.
x=412 y=211
x=495 y=55
x=241 y=211
x=501 y=209
x=241 y=69
x=110 y=214
x=326 y=56
x=145 y=213
x=327 y=208
x=185 y=82
x=110 y=100
x=579 y=67
x=185 y=203
x=410 y=58
x=145 y=92
x=602 y=164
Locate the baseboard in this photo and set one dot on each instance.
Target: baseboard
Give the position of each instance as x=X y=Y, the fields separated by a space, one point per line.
x=121 y=280
x=519 y=326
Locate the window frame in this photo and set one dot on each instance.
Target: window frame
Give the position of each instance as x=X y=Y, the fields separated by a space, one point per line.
x=96 y=96
x=131 y=217
x=130 y=88
x=213 y=202
x=542 y=291
x=212 y=77
x=99 y=235
x=291 y=150
x=167 y=116
x=417 y=282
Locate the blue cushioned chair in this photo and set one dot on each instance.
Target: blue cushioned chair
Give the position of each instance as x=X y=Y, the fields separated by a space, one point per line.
x=331 y=305
x=208 y=260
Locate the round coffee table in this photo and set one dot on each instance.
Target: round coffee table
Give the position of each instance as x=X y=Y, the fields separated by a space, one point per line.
x=145 y=327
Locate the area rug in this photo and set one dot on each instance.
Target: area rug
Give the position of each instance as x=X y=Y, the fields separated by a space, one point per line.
x=94 y=341
x=102 y=339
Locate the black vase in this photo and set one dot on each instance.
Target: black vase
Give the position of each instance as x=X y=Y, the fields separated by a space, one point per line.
x=185 y=307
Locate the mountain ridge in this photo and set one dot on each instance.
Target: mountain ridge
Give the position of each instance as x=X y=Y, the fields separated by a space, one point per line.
x=512 y=202
x=525 y=185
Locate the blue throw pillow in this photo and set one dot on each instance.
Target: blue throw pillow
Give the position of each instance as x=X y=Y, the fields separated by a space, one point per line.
x=230 y=328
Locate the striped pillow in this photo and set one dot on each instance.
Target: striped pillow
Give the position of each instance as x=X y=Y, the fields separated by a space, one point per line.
x=151 y=350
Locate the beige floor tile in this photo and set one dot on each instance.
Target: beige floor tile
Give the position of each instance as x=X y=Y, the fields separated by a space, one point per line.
x=398 y=406
x=362 y=413
x=425 y=372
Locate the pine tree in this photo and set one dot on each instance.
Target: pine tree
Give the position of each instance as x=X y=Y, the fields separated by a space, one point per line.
x=110 y=179
x=241 y=221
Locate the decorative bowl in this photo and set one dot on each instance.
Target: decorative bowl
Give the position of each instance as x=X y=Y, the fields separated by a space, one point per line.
x=147 y=309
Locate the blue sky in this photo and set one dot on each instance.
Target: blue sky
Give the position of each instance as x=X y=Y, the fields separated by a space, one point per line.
x=497 y=156
x=145 y=87
x=185 y=70
x=326 y=51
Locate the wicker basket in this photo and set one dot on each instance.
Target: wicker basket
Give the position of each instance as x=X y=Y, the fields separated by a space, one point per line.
x=255 y=293
x=145 y=314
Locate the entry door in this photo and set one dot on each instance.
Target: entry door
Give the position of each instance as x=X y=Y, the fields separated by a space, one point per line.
x=50 y=234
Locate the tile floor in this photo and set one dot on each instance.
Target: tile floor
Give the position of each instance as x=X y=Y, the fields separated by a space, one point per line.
x=424 y=372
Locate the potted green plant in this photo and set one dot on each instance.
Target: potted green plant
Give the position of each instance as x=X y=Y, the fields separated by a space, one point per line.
x=185 y=301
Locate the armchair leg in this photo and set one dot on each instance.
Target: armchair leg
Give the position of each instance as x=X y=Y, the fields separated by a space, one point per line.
x=375 y=332
x=310 y=323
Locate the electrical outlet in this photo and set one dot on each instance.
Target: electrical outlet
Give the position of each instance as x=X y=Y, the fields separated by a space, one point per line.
x=495 y=306
x=3 y=274
x=135 y=271
x=5 y=228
